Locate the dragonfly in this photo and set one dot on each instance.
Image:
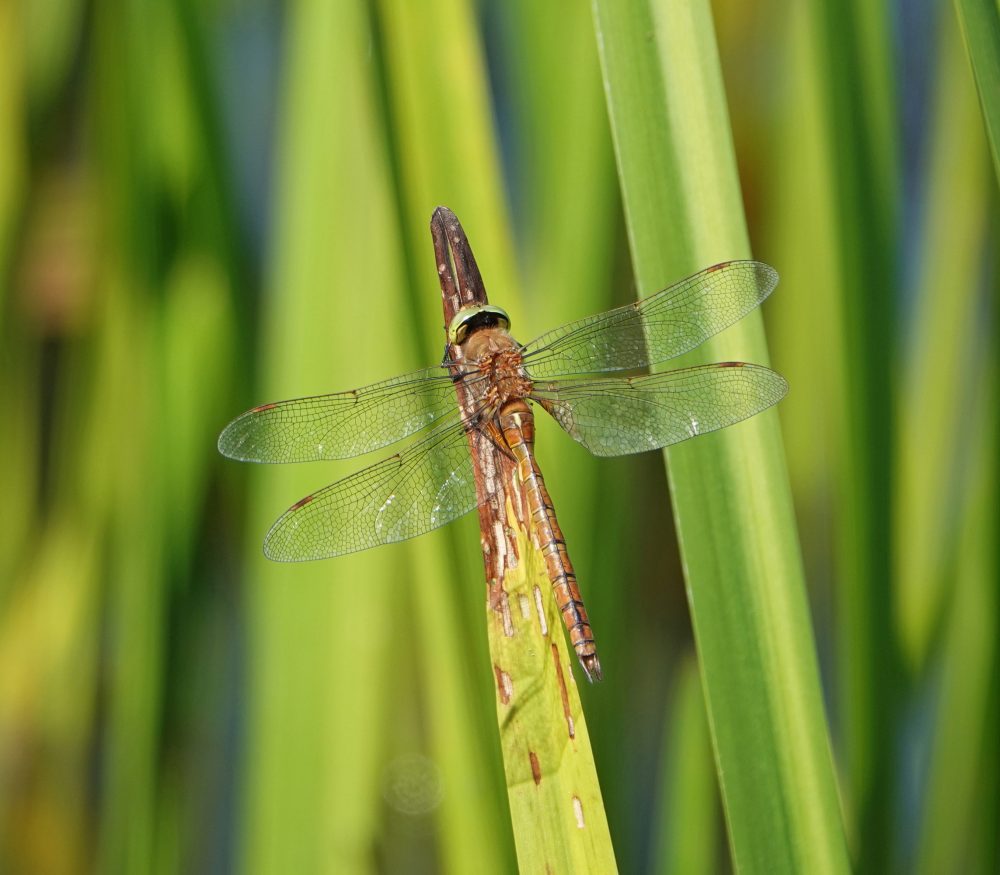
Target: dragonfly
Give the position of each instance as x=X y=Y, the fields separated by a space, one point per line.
x=592 y=376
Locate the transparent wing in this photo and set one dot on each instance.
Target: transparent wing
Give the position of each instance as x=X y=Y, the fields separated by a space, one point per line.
x=341 y=425
x=656 y=328
x=616 y=416
x=426 y=486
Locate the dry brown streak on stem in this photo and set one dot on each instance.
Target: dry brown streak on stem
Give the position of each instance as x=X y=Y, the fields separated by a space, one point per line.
x=462 y=286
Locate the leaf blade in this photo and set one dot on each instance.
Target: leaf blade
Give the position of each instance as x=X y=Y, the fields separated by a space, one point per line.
x=748 y=605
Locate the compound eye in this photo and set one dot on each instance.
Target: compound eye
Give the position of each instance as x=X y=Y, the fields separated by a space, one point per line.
x=461 y=331
x=470 y=318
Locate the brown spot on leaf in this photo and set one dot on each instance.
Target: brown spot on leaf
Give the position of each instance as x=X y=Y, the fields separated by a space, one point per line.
x=536 y=768
x=508 y=623
x=504 y=685
x=563 y=692
x=494 y=593
x=543 y=625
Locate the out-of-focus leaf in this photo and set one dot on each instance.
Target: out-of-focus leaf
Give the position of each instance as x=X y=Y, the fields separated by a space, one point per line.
x=686 y=836
x=731 y=496
x=980 y=21
x=941 y=359
x=324 y=638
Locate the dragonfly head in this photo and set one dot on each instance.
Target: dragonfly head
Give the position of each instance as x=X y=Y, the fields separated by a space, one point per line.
x=468 y=319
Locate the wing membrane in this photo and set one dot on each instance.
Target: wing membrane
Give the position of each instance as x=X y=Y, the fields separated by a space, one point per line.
x=616 y=416
x=429 y=484
x=341 y=425
x=657 y=328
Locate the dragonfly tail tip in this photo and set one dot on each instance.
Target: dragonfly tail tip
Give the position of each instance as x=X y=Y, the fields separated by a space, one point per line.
x=592 y=667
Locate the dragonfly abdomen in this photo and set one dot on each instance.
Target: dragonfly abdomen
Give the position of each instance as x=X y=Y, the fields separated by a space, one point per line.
x=518 y=426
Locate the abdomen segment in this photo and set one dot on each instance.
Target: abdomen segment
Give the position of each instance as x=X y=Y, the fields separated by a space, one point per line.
x=518 y=426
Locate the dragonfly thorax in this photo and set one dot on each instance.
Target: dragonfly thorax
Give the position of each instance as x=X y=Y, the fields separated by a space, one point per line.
x=500 y=365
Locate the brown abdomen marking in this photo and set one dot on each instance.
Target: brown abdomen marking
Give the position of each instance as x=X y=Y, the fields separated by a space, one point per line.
x=518 y=426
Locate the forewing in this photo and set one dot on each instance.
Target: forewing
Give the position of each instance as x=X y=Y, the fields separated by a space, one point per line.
x=426 y=486
x=617 y=416
x=341 y=425
x=656 y=328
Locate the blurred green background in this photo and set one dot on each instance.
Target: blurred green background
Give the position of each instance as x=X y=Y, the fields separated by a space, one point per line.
x=205 y=206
